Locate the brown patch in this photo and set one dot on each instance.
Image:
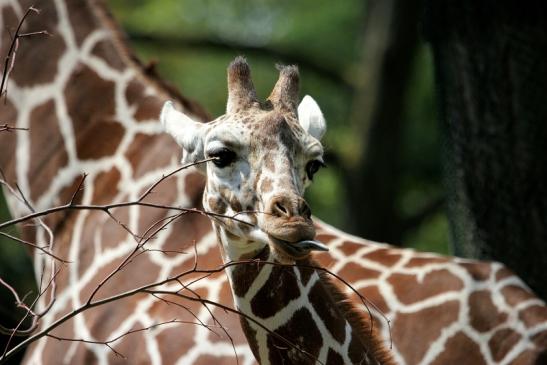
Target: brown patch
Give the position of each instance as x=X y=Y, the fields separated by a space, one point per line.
x=420 y=323
x=102 y=321
x=328 y=312
x=533 y=315
x=269 y=163
x=334 y=358
x=528 y=357
x=483 y=314
x=302 y=332
x=423 y=261
x=305 y=273
x=353 y=272
x=349 y=247
x=515 y=294
x=471 y=355
x=106 y=186
x=47 y=149
x=217 y=205
x=280 y=288
x=81 y=21
x=90 y=101
x=383 y=256
x=193 y=188
x=373 y=295
x=148 y=107
x=100 y=140
x=235 y=204
x=324 y=237
x=502 y=342
x=266 y=185
x=170 y=342
x=243 y=276
x=128 y=346
x=503 y=273
x=148 y=152
x=32 y=67
x=250 y=334
x=106 y=51
x=479 y=271
x=540 y=340
x=409 y=290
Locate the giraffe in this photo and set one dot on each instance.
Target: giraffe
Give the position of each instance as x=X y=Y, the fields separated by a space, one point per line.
x=264 y=155
x=91 y=107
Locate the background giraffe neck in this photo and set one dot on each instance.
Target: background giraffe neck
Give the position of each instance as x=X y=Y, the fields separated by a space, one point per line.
x=83 y=104
x=307 y=309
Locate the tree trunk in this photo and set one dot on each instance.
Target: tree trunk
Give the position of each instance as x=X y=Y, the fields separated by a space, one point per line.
x=390 y=42
x=491 y=68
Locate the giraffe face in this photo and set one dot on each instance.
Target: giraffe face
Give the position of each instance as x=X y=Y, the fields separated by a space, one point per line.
x=263 y=160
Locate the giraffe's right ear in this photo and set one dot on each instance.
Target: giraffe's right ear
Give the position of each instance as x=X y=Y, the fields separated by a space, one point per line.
x=187 y=133
x=311 y=118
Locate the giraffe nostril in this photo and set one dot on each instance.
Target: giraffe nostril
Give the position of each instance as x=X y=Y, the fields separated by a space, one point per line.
x=280 y=209
x=305 y=210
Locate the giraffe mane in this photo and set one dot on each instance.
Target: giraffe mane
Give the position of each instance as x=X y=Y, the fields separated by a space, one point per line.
x=359 y=320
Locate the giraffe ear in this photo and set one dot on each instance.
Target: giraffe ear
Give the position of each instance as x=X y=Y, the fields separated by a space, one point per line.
x=187 y=133
x=311 y=118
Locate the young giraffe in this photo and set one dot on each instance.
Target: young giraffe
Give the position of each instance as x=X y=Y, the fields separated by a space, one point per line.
x=265 y=154
x=91 y=108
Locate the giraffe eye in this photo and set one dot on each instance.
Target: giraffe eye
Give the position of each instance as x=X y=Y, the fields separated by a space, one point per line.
x=223 y=157
x=313 y=166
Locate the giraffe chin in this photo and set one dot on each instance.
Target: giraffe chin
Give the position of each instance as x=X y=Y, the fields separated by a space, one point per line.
x=297 y=250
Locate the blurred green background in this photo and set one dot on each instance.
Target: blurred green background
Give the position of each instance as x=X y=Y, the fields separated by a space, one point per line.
x=340 y=49
x=363 y=61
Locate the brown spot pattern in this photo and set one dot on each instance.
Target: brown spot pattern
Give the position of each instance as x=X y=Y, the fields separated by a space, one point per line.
x=105 y=186
x=409 y=290
x=384 y=257
x=471 y=355
x=47 y=149
x=280 y=288
x=420 y=324
x=334 y=358
x=328 y=312
x=515 y=294
x=32 y=49
x=145 y=153
x=479 y=271
x=483 y=314
x=250 y=334
x=502 y=342
x=353 y=272
x=302 y=332
x=422 y=261
x=243 y=276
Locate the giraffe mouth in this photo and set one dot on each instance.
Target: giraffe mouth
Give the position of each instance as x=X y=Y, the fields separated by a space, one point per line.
x=298 y=250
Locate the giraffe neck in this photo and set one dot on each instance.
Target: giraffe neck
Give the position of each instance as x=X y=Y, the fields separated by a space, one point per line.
x=302 y=306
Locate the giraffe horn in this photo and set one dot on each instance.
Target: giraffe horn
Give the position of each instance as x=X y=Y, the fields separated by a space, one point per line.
x=285 y=92
x=241 y=91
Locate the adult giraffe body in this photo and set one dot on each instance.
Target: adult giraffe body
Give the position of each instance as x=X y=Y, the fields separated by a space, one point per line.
x=91 y=108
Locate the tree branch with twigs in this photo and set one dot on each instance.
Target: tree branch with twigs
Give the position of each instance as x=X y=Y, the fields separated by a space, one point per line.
x=166 y=290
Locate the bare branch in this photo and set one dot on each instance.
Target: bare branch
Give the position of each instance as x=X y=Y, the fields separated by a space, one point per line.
x=9 y=60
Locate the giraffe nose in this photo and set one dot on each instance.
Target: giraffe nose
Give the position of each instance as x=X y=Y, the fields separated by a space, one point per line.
x=287 y=207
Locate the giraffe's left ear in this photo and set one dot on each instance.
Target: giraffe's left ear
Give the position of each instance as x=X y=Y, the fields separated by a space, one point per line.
x=311 y=118
x=187 y=133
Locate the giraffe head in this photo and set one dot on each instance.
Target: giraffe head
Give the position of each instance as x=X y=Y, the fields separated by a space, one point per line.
x=264 y=156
